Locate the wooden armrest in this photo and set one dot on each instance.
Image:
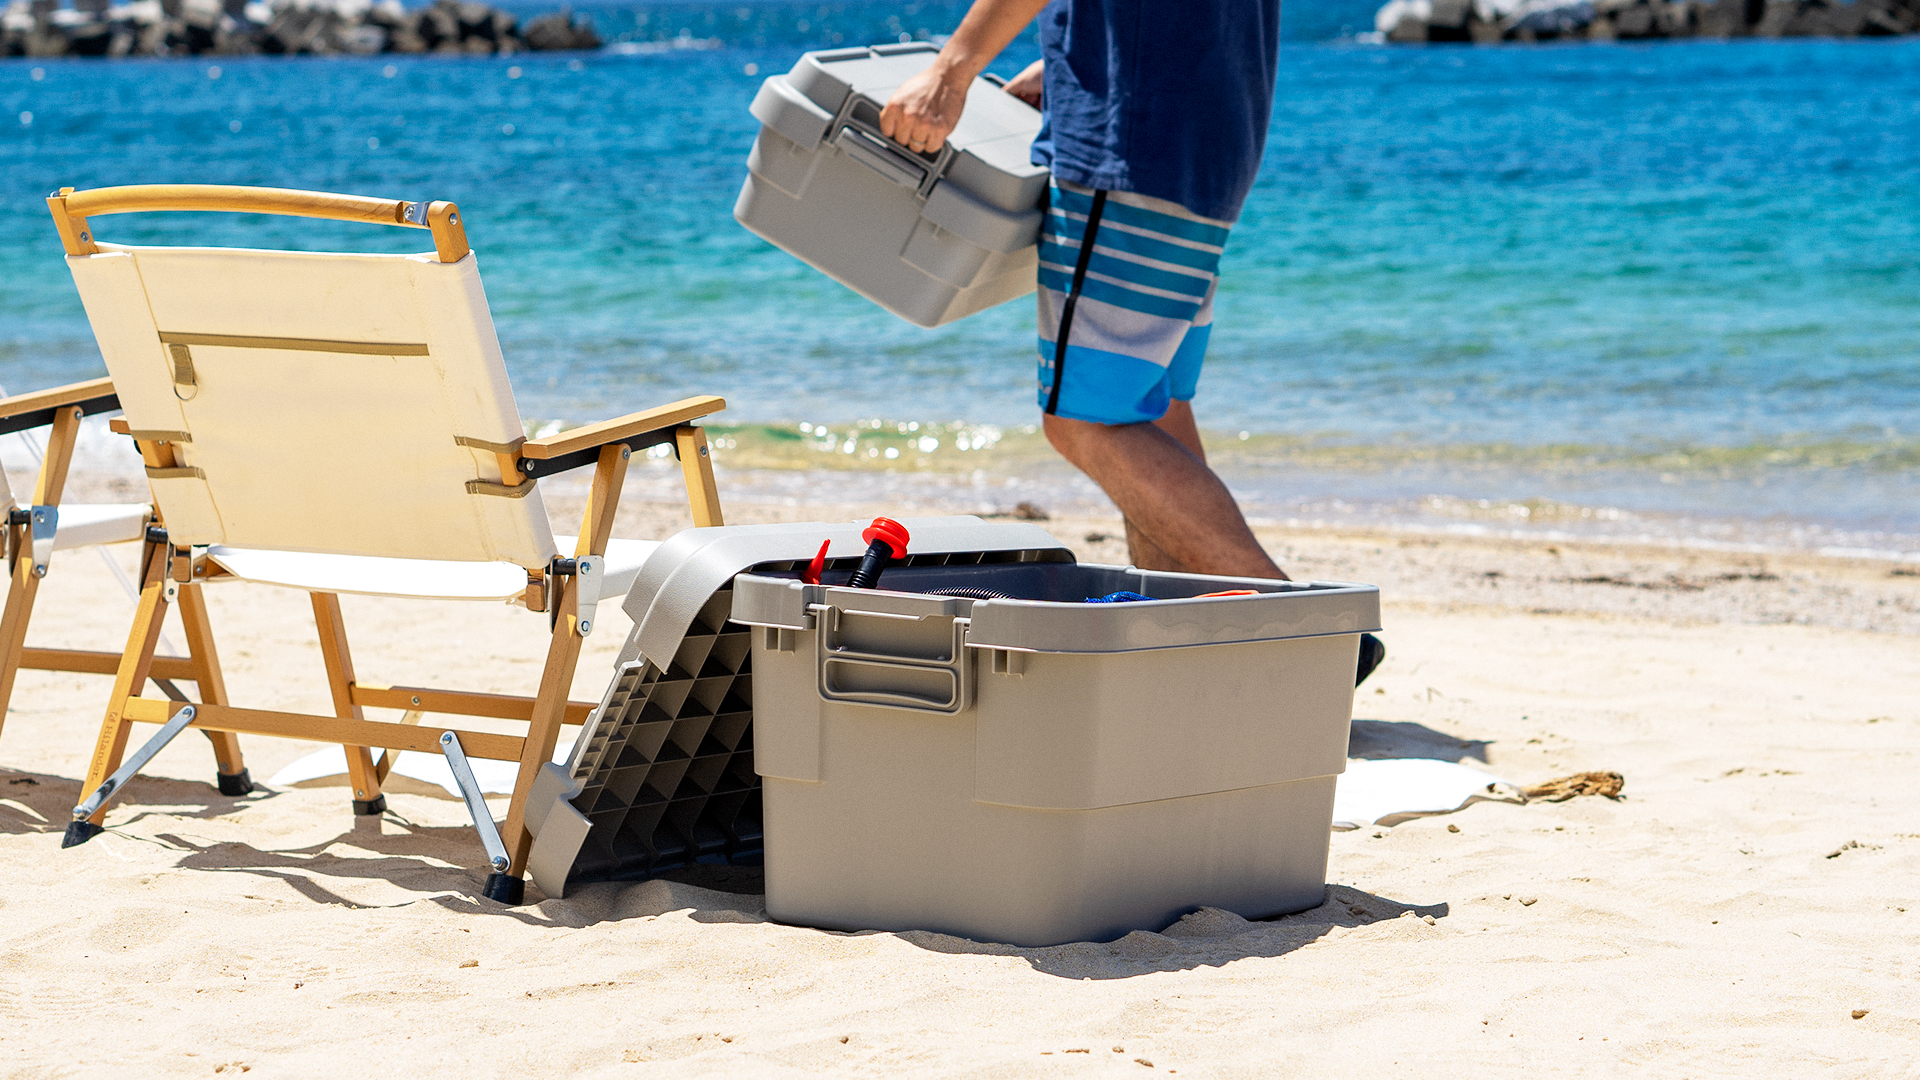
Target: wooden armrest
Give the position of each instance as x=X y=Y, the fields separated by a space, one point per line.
x=71 y=394
x=593 y=436
x=36 y=409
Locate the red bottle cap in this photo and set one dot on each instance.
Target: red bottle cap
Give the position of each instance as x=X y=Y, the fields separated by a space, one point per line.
x=890 y=531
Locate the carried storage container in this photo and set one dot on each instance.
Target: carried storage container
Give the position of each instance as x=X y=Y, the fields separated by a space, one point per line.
x=930 y=237
x=976 y=750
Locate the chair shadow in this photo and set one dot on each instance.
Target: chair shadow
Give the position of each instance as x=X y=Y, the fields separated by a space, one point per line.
x=427 y=860
x=1378 y=739
x=53 y=798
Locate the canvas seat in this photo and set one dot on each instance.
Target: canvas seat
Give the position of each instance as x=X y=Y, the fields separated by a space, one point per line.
x=340 y=422
x=417 y=578
x=62 y=526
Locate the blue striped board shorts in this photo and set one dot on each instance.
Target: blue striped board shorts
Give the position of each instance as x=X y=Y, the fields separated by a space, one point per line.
x=1135 y=309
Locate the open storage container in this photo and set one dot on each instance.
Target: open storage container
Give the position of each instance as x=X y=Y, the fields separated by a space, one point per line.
x=662 y=776
x=974 y=749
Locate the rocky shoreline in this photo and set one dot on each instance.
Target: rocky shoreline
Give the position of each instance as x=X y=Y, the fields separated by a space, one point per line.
x=102 y=28
x=1490 y=22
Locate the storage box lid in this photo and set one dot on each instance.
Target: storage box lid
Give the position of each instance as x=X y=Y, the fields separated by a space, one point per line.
x=679 y=578
x=1178 y=617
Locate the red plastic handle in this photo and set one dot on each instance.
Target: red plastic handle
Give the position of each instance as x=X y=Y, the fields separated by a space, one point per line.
x=891 y=532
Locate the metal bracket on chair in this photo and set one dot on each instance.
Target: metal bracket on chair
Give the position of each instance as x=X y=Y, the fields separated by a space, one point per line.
x=44 y=521
x=476 y=803
x=587 y=572
x=586 y=583
x=111 y=785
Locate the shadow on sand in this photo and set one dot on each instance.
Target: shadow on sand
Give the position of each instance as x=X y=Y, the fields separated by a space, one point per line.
x=48 y=801
x=1208 y=937
x=445 y=866
x=1379 y=739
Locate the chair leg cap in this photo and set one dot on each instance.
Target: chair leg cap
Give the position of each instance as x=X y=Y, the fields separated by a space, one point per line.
x=79 y=832
x=235 y=784
x=370 y=807
x=506 y=889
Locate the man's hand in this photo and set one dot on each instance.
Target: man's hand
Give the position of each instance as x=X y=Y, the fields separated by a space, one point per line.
x=1027 y=85
x=923 y=112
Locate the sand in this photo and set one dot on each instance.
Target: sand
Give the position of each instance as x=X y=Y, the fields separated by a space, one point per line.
x=1751 y=907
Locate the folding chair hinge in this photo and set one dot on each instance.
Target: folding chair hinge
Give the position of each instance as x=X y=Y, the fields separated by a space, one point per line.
x=184 y=565
x=587 y=573
x=42 y=522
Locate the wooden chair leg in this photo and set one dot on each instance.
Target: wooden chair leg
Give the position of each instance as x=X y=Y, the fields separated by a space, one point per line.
x=21 y=590
x=135 y=665
x=556 y=679
x=24 y=586
x=361 y=770
x=230 y=769
x=696 y=465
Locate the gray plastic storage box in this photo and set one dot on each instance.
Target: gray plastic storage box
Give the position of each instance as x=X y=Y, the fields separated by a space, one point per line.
x=662 y=775
x=929 y=237
x=1009 y=763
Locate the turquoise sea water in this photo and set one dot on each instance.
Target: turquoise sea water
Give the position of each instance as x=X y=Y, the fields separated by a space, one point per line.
x=1679 y=282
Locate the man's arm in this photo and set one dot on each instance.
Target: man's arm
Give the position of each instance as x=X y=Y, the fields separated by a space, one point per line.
x=923 y=112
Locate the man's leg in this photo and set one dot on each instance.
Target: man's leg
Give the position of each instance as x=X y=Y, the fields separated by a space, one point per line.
x=1178 y=423
x=1157 y=474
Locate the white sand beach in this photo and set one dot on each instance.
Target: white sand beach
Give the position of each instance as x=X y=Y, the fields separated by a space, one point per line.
x=1750 y=907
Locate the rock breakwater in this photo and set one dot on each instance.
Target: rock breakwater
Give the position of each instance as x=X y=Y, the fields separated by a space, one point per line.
x=102 y=28
x=1490 y=22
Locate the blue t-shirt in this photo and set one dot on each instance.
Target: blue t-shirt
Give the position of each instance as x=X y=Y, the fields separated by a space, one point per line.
x=1168 y=98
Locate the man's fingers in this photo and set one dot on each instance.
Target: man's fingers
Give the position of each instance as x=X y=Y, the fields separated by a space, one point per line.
x=919 y=136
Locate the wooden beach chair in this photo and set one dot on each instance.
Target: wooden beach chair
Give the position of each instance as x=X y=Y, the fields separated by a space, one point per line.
x=344 y=423
x=46 y=525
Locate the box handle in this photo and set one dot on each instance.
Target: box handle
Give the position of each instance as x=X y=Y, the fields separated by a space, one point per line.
x=873 y=152
x=856 y=130
x=892 y=681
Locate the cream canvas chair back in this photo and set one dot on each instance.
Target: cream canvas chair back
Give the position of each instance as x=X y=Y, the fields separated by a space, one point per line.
x=336 y=403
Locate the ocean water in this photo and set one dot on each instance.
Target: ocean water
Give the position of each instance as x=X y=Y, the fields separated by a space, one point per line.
x=1669 y=290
